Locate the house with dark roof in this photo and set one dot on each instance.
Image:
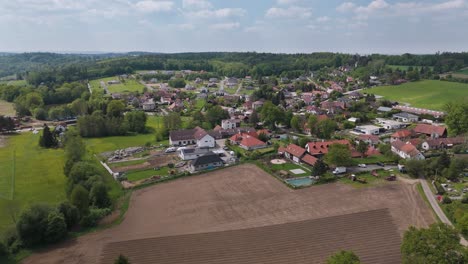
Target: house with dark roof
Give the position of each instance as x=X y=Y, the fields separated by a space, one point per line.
x=406 y=150
x=208 y=161
x=405 y=117
x=431 y=131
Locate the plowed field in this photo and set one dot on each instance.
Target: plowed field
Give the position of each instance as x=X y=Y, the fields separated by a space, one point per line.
x=245 y=197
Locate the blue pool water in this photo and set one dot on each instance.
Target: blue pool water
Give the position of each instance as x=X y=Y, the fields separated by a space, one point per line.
x=299 y=182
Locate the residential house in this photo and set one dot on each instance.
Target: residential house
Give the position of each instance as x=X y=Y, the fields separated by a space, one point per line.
x=371 y=140
x=149 y=105
x=384 y=109
x=231 y=82
x=368 y=129
x=204 y=139
x=294 y=152
x=257 y=104
x=406 y=117
x=402 y=135
x=192 y=153
x=166 y=100
x=320 y=148
x=406 y=151
x=309 y=160
x=230 y=123
x=442 y=143
x=431 y=131
x=213 y=80
x=333 y=107
x=389 y=124
x=208 y=161
x=247 y=141
x=189 y=87
x=192 y=136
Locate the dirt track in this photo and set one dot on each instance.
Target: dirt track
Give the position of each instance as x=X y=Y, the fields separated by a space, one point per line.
x=238 y=198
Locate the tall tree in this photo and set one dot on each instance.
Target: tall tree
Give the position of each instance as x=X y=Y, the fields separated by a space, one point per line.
x=172 y=121
x=48 y=139
x=438 y=244
x=339 y=155
x=295 y=124
x=362 y=148
x=457 y=117
x=326 y=128
x=79 y=198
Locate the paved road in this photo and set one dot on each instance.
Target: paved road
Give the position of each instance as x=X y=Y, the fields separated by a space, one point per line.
x=437 y=209
x=371 y=167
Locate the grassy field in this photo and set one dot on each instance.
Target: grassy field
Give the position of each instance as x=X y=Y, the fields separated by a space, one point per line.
x=126 y=163
x=130 y=85
x=425 y=94
x=371 y=180
x=17 y=83
x=6 y=108
x=39 y=175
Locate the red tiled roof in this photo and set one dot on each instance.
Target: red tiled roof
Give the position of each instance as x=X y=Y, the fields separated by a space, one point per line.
x=281 y=149
x=295 y=150
x=249 y=142
x=429 y=129
x=320 y=147
x=263 y=131
x=445 y=141
x=310 y=160
x=404 y=133
x=372 y=138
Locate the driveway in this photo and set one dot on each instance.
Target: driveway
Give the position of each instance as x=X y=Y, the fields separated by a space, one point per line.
x=371 y=167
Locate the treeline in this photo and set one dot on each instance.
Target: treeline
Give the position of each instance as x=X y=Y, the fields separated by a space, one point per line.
x=33 y=101
x=112 y=122
x=7 y=124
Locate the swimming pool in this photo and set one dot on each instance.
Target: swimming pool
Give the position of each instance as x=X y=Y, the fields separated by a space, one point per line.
x=300 y=182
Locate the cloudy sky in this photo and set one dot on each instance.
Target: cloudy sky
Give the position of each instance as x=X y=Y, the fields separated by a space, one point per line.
x=288 y=26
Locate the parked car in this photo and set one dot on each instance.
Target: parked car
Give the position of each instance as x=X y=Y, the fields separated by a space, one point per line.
x=362 y=165
x=339 y=170
x=225 y=148
x=171 y=149
x=380 y=164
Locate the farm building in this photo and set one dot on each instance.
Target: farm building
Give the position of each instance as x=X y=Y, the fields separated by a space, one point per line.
x=442 y=143
x=208 y=161
x=431 y=131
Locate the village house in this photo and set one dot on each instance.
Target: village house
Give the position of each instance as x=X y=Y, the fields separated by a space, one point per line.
x=192 y=153
x=247 y=141
x=208 y=161
x=406 y=151
x=431 y=131
x=368 y=129
x=257 y=104
x=320 y=148
x=230 y=123
x=384 y=109
x=406 y=117
x=333 y=107
x=149 y=105
x=166 y=100
x=231 y=82
x=402 y=135
x=442 y=143
x=293 y=152
x=192 y=136
x=371 y=140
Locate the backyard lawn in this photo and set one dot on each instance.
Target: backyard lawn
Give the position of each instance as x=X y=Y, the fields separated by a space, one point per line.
x=429 y=94
x=290 y=166
x=39 y=175
x=371 y=180
x=144 y=174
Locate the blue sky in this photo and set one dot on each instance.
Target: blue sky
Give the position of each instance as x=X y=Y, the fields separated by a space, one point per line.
x=287 y=26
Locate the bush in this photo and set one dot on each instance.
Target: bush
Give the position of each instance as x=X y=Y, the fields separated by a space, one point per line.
x=170 y=165
x=3 y=249
x=446 y=200
x=465 y=199
x=56 y=227
x=93 y=217
x=99 y=196
x=80 y=198
x=32 y=225
x=440 y=190
x=70 y=214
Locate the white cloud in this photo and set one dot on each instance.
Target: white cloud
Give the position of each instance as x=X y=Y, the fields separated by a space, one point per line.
x=225 y=26
x=196 y=4
x=218 y=13
x=346 y=7
x=323 y=19
x=373 y=6
x=149 y=6
x=290 y=12
x=185 y=26
x=286 y=2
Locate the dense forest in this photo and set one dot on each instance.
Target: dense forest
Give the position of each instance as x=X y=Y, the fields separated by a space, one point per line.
x=47 y=68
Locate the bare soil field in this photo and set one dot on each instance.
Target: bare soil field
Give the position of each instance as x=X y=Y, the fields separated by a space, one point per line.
x=236 y=198
x=150 y=163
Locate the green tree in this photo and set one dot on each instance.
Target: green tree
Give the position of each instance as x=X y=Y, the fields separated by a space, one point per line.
x=70 y=214
x=455 y=169
x=80 y=198
x=415 y=168
x=99 y=196
x=121 y=260
x=326 y=128
x=48 y=139
x=457 y=117
x=295 y=124
x=40 y=113
x=343 y=257
x=115 y=108
x=253 y=119
x=215 y=114
x=271 y=115
x=136 y=121
x=32 y=224
x=438 y=244
x=362 y=148
x=320 y=167
x=177 y=83
x=312 y=124
x=262 y=136
x=443 y=161
x=338 y=155
x=56 y=227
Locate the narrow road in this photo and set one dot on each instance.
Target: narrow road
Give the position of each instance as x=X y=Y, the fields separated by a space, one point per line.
x=437 y=209
x=238 y=89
